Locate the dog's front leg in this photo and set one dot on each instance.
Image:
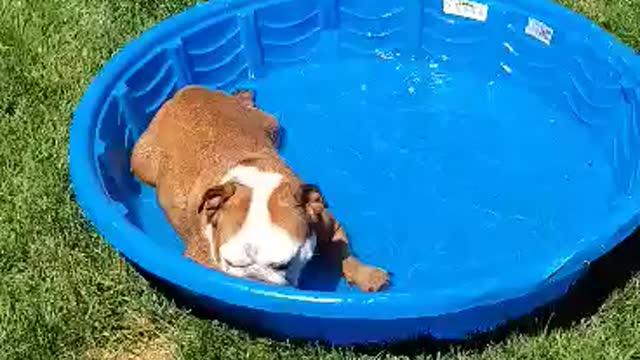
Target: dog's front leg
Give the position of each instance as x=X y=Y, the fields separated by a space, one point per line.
x=335 y=242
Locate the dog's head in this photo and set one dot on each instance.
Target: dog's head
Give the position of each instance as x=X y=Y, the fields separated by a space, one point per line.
x=260 y=225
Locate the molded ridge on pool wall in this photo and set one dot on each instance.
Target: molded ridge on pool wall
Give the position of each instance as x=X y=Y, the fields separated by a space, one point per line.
x=227 y=44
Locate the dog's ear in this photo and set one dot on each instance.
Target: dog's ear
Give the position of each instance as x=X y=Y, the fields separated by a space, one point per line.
x=246 y=98
x=214 y=197
x=310 y=198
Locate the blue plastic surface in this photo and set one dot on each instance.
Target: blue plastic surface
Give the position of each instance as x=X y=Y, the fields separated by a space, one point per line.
x=481 y=166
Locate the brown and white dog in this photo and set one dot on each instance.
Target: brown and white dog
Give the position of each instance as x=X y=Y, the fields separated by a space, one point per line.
x=240 y=209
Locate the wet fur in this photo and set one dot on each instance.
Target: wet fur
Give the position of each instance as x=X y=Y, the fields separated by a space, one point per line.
x=196 y=138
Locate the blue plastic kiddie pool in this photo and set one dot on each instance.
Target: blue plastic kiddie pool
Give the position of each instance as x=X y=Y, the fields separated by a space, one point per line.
x=483 y=152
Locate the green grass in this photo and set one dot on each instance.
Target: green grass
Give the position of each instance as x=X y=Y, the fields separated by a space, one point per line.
x=64 y=294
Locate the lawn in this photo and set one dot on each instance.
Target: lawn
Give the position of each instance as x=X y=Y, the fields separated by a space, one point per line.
x=64 y=294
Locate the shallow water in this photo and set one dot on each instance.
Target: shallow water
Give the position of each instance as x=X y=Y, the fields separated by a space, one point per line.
x=441 y=176
x=446 y=177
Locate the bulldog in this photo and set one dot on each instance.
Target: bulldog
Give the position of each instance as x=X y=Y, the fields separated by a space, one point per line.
x=212 y=158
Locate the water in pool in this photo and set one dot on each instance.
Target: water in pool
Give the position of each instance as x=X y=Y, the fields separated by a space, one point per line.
x=436 y=174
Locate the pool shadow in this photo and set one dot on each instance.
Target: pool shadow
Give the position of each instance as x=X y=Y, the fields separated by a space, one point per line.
x=215 y=311
x=609 y=273
x=584 y=299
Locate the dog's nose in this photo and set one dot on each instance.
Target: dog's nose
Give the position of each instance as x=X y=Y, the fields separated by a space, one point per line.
x=250 y=250
x=238 y=256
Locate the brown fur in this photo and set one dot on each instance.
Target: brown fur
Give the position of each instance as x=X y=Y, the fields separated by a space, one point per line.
x=194 y=140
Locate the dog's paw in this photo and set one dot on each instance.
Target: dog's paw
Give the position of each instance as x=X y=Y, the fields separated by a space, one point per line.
x=370 y=279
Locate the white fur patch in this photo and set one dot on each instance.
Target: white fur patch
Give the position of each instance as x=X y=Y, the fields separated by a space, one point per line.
x=257 y=249
x=208 y=232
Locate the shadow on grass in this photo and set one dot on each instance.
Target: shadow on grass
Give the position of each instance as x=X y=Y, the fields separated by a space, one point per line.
x=610 y=272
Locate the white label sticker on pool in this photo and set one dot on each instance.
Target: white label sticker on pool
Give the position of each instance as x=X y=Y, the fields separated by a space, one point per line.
x=539 y=30
x=467 y=9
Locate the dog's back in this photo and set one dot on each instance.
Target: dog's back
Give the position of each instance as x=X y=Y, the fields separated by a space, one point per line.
x=191 y=143
x=196 y=126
